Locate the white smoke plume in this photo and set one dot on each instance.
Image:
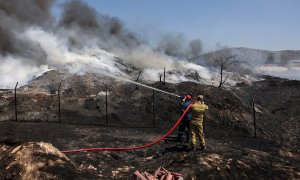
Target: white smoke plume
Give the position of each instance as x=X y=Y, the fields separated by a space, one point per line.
x=84 y=40
x=79 y=42
x=13 y=70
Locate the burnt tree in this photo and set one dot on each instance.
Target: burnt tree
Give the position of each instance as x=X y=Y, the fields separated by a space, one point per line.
x=223 y=62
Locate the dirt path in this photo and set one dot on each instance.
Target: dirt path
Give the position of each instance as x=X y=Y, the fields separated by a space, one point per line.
x=228 y=153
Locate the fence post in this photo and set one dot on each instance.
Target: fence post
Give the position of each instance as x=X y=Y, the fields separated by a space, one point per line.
x=160 y=78
x=58 y=93
x=16 y=111
x=106 y=110
x=153 y=109
x=26 y=136
x=164 y=76
x=137 y=79
x=254 y=116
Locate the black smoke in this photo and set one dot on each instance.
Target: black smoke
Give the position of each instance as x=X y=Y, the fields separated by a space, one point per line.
x=108 y=32
x=115 y=26
x=27 y=11
x=172 y=45
x=195 y=49
x=15 y=17
x=78 y=13
x=6 y=43
x=82 y=26
x=176 y=45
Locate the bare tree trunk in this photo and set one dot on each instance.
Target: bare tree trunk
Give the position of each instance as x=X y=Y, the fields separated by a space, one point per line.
x=223 y=63
x=221 y=80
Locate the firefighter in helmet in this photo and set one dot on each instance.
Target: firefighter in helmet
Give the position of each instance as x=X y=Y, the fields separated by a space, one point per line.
x=196 y=125
x=184 y=126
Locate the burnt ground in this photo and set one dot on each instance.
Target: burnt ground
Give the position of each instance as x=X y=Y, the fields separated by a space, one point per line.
x=232 y=151
x=228 y=155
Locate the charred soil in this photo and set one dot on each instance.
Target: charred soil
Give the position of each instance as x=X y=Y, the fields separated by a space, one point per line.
x=133 y=119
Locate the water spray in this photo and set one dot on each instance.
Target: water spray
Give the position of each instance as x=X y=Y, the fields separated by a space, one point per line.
x=140 y=84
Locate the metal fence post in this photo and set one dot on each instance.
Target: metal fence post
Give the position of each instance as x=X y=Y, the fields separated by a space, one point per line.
x=106 y=110
x=164 y=76
x=58 y=93
x=137 y=79
x=254 y=116
x=16 y=111
x=160 y=78
x=153 y=109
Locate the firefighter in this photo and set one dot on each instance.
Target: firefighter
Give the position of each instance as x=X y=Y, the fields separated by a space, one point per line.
x=198 y=109
x=184 y=126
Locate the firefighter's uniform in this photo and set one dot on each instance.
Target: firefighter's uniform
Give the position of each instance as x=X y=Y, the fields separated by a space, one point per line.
x=184 y=126
x=196 y=125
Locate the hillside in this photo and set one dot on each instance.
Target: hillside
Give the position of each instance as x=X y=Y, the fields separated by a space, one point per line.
x=232 y=150
x=72 y=77
x=252 y=56
x=284 y=64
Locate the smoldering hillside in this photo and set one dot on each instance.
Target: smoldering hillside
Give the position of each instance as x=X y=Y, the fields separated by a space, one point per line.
x=228 y=128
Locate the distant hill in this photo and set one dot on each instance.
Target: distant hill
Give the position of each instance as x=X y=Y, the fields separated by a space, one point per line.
x=252 y=56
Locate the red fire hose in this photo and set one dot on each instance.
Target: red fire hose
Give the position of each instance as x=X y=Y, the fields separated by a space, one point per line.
x=134 y=147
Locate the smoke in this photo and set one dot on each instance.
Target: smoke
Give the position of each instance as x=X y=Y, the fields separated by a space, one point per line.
x=176 y=45
x=31 y=43
x=289 y=71
x=6 y=45
x=34 y=12
x=15 y=17
x=22 y=59
x=78 y=13
x=14 y=69
x=95 y=28
x=172 y=45
x=195 y=49
x=116 y=26
x=82 y=25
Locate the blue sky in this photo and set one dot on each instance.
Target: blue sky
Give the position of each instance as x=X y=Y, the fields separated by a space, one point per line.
x=261 y=24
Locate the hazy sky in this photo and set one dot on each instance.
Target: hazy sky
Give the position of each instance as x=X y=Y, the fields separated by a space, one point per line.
x=262 y=24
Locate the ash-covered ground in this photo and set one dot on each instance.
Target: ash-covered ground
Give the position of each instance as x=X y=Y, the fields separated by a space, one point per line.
x=232 y=150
